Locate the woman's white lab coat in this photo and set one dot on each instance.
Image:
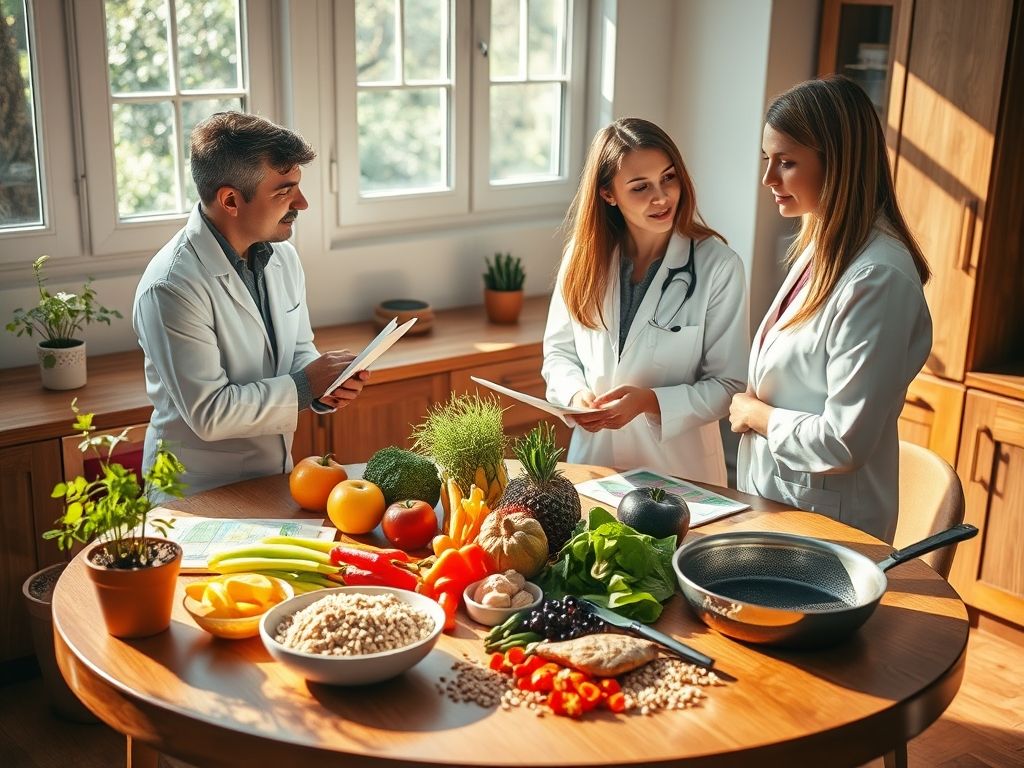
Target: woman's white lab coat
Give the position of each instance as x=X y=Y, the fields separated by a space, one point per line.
x=221 y=402
x=694 y=372
x=838 y=384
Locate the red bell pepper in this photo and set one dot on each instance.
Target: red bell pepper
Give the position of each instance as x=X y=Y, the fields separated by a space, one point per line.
x=396 y=577
x=450 y=603
x=478 y=562
x=616 y=702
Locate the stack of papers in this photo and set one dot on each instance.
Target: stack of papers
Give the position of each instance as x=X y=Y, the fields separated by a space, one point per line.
x=704 y=505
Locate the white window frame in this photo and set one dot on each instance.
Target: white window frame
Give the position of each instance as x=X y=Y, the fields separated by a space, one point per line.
x=488 y=196
x=109 y=234
x=353 y=208
x=472 y=198
x=58 y=234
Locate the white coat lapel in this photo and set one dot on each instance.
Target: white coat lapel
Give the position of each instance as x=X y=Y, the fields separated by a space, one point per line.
x=610 y=310
x=676 y=254
x=216 y=263
x=283 y=311
x=773 y=334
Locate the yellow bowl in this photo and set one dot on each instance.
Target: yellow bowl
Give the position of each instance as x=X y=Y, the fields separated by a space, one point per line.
x=234 y=628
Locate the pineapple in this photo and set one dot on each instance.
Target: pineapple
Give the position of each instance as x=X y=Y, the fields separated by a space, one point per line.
x=543 y=489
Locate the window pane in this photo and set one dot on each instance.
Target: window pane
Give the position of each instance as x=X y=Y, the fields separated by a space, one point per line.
x=426 y=39
x=19 y=160
x=503 y=53
x=525 y=131
x=208 y=55
x=137 y=46
x=376 y=48
x=144 y=155
x=192 y=112
x=403 y=139
x=546 y=38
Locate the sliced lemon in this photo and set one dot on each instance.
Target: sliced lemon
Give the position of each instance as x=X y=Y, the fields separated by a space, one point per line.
x=250 y=588
x=216 y=594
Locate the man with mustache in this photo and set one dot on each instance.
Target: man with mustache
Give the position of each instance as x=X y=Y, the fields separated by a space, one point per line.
x=221 y=312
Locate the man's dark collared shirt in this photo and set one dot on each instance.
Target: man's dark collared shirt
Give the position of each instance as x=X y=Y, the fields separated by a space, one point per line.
x=253 y=274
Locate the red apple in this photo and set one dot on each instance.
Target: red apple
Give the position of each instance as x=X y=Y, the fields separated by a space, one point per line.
x=410 y=524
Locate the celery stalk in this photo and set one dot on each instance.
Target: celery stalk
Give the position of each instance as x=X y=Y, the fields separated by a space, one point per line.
x=316 y=544
x=239 y=564
x=271 y=551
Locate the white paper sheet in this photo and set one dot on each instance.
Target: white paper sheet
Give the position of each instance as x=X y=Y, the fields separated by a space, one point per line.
x=704 y=505
x=563 y=412
x=384 y=340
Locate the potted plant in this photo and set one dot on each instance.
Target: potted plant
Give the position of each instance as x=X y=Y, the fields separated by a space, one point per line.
x=503 y=288
x=134 y=574
x=58 y=318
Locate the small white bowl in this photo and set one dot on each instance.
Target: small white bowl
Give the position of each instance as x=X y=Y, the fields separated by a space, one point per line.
x=489 y=615
x=350 y=670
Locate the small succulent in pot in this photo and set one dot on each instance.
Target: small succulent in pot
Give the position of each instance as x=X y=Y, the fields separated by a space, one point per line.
x=114 y=507
x=59 y=317
x=504 y=273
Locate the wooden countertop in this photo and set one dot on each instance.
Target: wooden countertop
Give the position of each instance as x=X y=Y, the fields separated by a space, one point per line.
x=116 y=391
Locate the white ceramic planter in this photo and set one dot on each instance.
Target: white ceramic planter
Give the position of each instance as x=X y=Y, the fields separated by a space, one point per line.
x=62 y=367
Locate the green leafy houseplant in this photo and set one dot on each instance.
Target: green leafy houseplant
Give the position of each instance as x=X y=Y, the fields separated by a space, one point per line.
x=504 y=273
x=59 y=317
x=114 y=507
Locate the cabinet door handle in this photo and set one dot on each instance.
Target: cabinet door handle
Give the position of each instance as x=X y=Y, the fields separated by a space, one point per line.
x=968 y=218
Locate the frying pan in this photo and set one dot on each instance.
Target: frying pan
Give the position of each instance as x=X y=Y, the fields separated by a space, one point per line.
x=788 y=590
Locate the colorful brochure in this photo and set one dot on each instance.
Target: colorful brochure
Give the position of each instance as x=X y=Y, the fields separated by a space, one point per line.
x=704 y=505
x=201 y=537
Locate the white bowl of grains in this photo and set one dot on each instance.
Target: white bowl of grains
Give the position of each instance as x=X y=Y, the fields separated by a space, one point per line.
x=352 y=635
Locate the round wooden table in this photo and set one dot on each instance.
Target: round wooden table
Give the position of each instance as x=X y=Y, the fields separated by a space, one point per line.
x=227 y=703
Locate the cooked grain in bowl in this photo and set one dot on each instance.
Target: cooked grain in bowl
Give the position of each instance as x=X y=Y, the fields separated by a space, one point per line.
x=353 y=624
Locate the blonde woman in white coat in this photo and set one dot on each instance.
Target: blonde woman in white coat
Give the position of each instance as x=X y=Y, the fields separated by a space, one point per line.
x=849 y=328
x=648 y=321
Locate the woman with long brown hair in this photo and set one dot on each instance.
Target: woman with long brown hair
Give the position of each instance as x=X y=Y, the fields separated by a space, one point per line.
x=648 y=321
x=849 y=328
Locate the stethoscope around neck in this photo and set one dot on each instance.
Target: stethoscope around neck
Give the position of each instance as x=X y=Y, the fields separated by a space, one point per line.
x=687 y=269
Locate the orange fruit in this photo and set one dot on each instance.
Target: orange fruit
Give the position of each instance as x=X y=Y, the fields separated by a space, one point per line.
x=313 y=479
x=356 y=506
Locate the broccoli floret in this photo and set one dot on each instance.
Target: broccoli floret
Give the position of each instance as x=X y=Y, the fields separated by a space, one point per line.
x=402 y=474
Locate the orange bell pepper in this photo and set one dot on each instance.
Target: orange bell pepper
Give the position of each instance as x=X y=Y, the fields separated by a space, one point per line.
x=450 y=603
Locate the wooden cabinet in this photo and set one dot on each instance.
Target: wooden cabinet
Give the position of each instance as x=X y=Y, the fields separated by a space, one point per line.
x=384 y=414
x=523 y=376
x=931 y=415
x=27 y=474
x=944 y=164
x=867 y=40
x=989 y=570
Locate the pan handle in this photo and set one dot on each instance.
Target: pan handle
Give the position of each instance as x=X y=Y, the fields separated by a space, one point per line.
x=952 y=535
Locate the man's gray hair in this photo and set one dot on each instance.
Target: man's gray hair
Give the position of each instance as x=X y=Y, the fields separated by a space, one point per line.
x=229 y=149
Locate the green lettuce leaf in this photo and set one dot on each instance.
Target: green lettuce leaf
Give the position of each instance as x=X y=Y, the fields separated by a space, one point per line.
x=612 y=564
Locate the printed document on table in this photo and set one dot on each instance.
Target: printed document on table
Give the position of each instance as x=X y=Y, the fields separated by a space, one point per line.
x=201 y=537
x=563 y=412
x=391 y=333
x=704 y=505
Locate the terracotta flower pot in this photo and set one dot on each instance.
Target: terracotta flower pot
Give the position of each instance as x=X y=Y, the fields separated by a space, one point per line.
x=503 y=307
x=136 y=602
x=62 y=367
